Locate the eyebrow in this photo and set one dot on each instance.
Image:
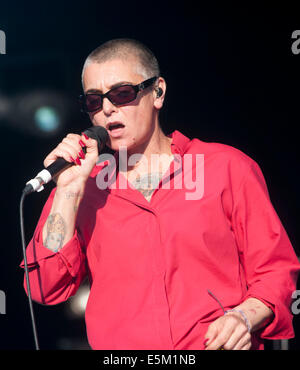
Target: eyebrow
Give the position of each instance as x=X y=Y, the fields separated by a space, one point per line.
x=118 y=84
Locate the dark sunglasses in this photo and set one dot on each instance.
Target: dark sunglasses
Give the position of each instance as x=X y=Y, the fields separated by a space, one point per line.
x=118 y=96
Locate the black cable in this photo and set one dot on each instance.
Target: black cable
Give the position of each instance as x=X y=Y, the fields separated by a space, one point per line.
x=26 y=271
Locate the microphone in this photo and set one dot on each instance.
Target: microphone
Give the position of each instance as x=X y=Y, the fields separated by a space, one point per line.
x=36 y=184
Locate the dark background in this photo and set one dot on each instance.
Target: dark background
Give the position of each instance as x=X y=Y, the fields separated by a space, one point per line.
x=231 y=78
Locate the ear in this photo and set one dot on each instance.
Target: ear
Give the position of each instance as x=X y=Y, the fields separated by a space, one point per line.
x=159 y=92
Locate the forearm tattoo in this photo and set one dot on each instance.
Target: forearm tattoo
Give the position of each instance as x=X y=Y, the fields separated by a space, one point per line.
x=56 y=231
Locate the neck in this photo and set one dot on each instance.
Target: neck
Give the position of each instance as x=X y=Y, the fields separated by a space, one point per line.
x=158 y=144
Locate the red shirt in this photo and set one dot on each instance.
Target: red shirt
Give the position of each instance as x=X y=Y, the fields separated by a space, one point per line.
x=151 y=264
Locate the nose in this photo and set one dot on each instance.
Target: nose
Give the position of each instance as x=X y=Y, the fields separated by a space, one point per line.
x=108 y=107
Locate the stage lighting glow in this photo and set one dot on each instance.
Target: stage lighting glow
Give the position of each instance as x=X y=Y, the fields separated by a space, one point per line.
x=47 y=119
x=77 y=304
x=42 y=113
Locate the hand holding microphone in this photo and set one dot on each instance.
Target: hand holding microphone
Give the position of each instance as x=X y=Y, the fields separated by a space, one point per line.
x=72 y=160
x=80 y=152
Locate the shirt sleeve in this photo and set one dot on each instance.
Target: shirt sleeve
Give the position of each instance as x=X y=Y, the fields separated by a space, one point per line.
x=269 y=261
x=54 y=277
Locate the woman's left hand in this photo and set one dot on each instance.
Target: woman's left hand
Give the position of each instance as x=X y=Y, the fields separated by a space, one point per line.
x=228 y=332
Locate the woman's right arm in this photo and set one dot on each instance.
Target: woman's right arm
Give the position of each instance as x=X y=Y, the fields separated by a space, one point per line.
x=55 y=256
x=60 y=225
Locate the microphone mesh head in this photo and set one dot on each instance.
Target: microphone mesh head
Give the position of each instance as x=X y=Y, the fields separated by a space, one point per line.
x=98 y=133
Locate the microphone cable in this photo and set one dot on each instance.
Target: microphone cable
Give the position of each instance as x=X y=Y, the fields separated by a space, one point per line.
x=26 y=271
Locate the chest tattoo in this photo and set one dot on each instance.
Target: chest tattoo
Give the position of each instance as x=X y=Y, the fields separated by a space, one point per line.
x=147 y=183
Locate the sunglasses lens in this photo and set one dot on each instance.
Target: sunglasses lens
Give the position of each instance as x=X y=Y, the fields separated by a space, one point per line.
x=118 y=96
x=122 y=95
x=92 y=102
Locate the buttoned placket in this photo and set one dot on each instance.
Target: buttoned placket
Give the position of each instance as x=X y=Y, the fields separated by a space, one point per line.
x=161 y=306
x=130 y=194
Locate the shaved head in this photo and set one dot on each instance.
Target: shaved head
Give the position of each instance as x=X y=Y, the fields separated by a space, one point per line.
x=124 y=49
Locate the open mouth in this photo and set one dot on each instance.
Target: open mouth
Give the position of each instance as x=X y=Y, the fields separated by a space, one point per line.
x=115 y=126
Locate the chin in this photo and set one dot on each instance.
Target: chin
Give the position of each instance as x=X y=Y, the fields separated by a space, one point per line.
x=117 y=145
x=122 y=142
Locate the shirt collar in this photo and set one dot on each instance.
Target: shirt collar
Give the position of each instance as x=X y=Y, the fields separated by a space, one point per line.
x=179 y=142
x=179 y=146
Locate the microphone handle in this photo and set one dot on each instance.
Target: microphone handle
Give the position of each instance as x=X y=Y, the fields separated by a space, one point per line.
x=60 y=164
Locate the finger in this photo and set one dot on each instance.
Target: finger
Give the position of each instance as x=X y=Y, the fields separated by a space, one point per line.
x=77 y=144
x=218 y=342
x=210 y=335
x=73 y=140
x=246 y=347
x=239 y=332
x=225 y=330
x=58 y=151
x=70 y=151
x=62 y=151
x=243 y=342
